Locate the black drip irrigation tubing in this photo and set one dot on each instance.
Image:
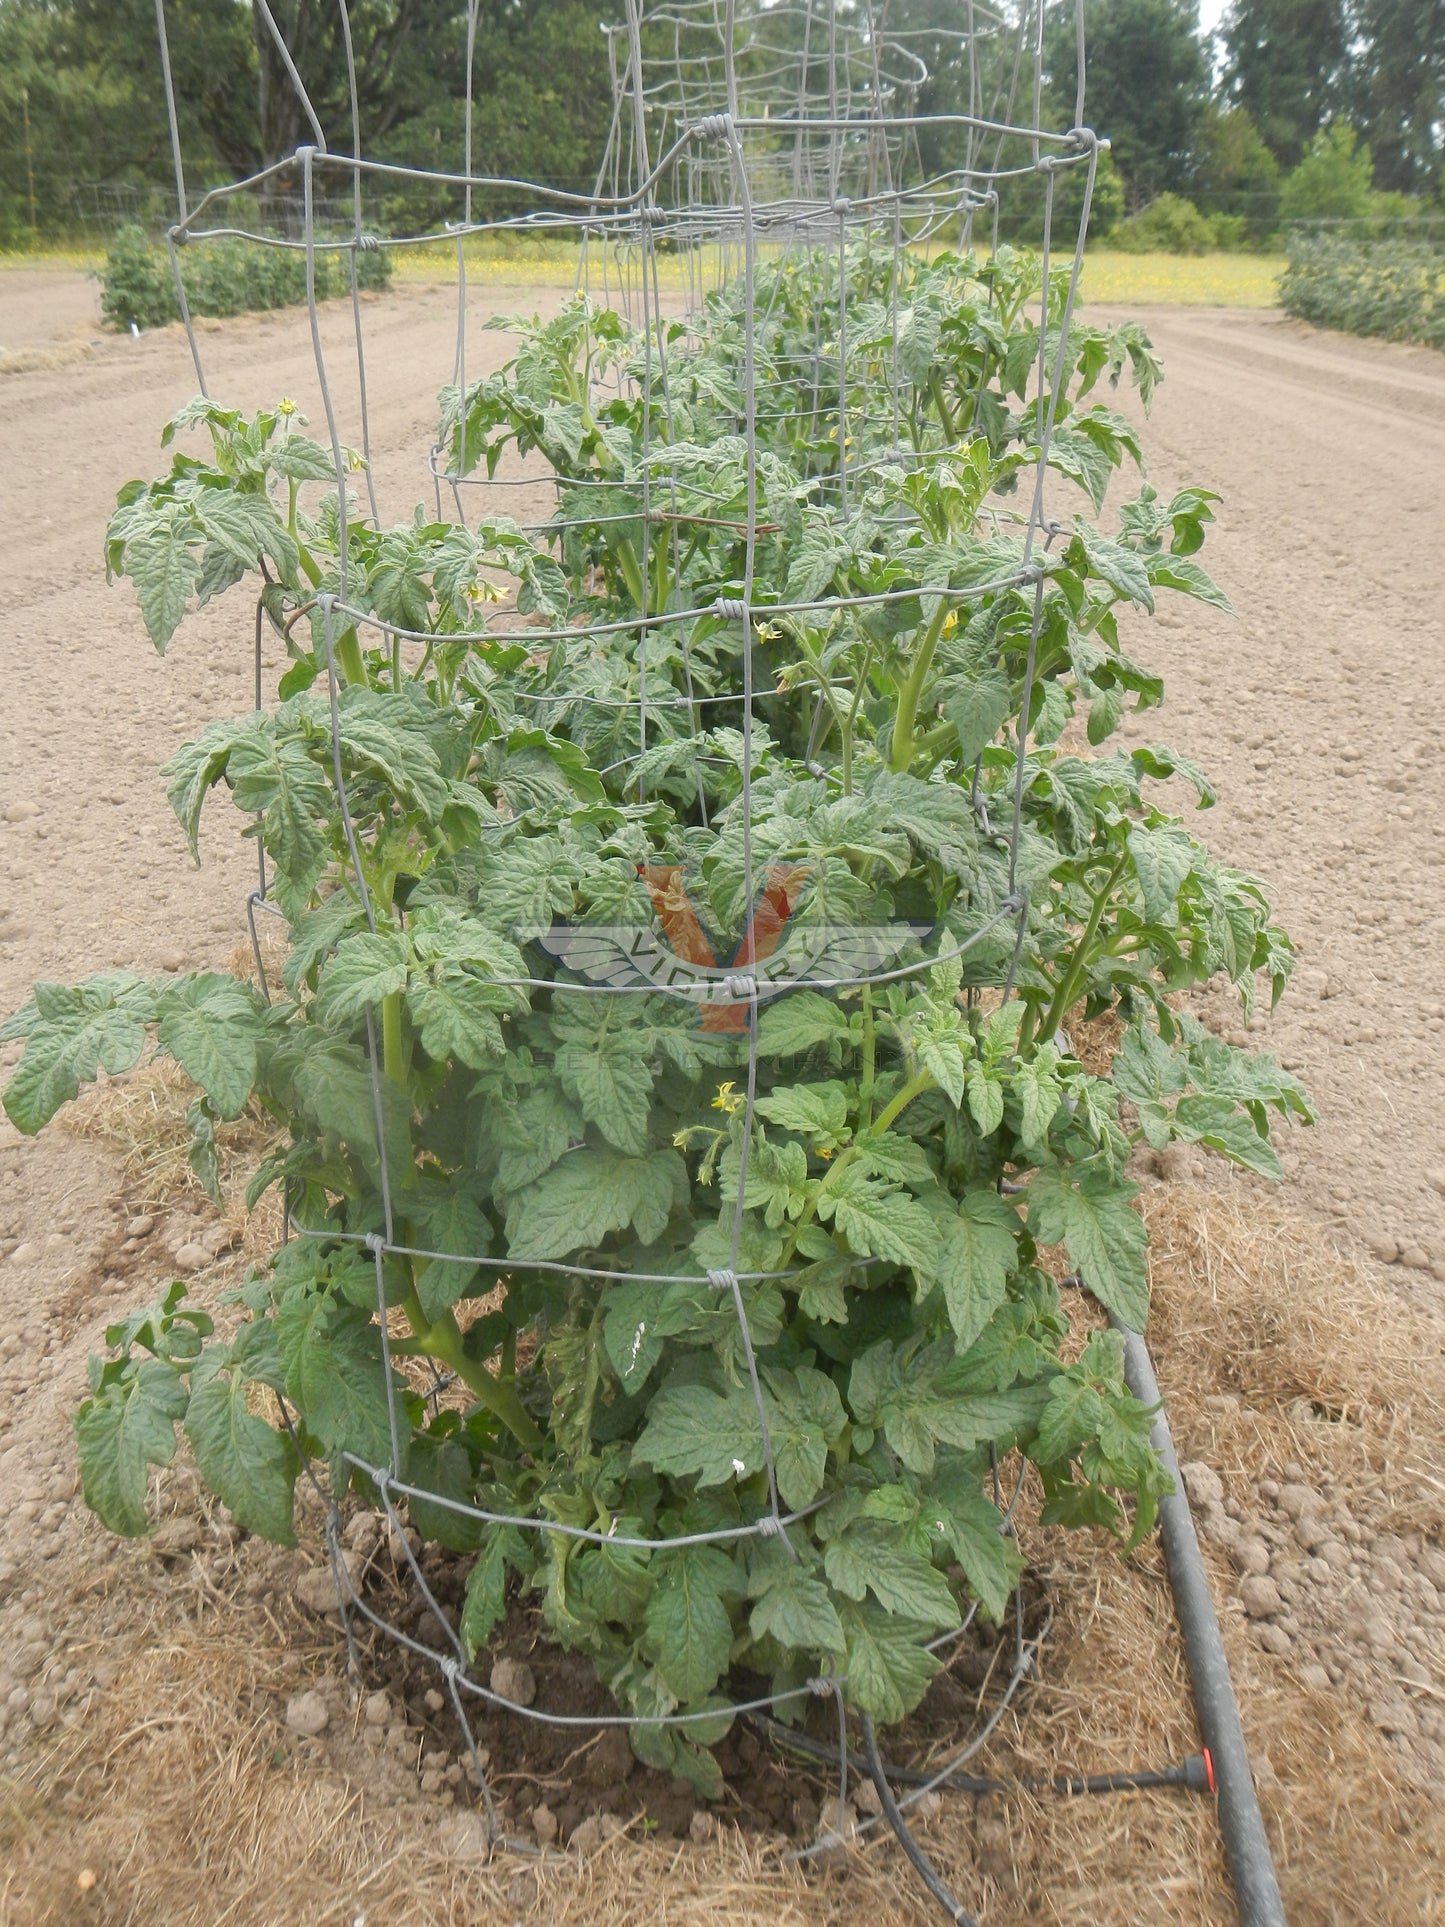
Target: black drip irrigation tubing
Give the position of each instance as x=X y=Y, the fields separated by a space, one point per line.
x=1246 y=1845
x=1196 y=1773
x=1221 y=1767
x=922 y=1865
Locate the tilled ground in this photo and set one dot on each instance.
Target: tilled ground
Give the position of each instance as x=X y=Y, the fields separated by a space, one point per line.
x=1320 y=713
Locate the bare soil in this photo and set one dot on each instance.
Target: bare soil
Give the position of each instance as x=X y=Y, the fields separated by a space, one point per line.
x=1320 y=713
x=148 y=1771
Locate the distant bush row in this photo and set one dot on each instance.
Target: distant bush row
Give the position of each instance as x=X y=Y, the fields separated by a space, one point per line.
x=1367 y=287
x=220 y=278
x=1172 y=225
x=1332 y=185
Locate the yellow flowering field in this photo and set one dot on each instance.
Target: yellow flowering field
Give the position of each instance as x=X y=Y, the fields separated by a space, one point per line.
x=1184 y=280
x=1176 y=280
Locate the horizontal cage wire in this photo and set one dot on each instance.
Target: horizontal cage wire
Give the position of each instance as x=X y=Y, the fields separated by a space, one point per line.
x=762 y=160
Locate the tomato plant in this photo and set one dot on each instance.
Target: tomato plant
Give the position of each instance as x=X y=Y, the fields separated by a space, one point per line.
x=544 y=1192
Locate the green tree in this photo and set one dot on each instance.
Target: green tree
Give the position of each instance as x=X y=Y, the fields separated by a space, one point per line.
x=88 y=69
x=1398 y=90
x=542 y=105
x=1232 y=172
x=1334 y=181
x=1147 y=85
x=87 y=74
x=1287 y=62
x=409 y=55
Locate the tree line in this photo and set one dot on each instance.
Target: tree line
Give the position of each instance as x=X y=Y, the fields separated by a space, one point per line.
x=1293 y=109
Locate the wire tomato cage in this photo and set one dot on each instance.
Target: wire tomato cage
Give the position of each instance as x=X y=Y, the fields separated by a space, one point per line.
x=756 y=153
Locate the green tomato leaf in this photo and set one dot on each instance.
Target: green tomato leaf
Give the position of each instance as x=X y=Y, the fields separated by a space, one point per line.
x=693 y=1432
x=1214 y=1122
x=1162 y=859
x=70 y=1036
x=630 y=1333
x=361 y=971
x=973 y=1525
x=805 y=1416
x=903 y=1582
x=985 y=1100
x=1122 y=568
x=978 y=710
x=330 y=1353
x=977 y=1251
x=1037 y=1089
x=888 y=1663
x=163 y=568
x=441 y=1464
x=1070 y=1418
x=687 y=1625
x=1175 y=572
x=818 y=1110
x=485 y=1604
x=212 y=1026
x=455 y=1015
x=127 y=1426
x=795 y=1609
x=1090 y=1214
x=798 y=1023
x=881 y=1222
x=247 y=1463
x=449 y=1220
x=588 y=1194
x=608 y=1078
x=533 y=1135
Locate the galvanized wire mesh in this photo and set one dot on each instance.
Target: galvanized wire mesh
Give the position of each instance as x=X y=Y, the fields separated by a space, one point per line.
x=744 y=137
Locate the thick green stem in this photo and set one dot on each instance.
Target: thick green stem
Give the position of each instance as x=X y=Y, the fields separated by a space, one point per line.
x=660 y=564
x=632 y=574
x=849 y=723
x=825 y=691
x=940 y=402
x=347 y=651
x=902 y=746
x=865 y=1081
x=977 y=396
x=935 y=741
x=394 y=1053
x=920 y=1082
x=1072 y=980
x=443 y=1341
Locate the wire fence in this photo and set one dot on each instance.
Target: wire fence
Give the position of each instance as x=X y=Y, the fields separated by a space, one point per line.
x=743 y=137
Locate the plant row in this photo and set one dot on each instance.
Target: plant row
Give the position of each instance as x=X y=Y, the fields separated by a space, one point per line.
x=1391 y=288
x=137 y=283
x=548 y=1193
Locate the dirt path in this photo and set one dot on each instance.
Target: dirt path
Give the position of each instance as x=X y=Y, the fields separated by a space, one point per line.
x=48 y=307
x=1320 y=712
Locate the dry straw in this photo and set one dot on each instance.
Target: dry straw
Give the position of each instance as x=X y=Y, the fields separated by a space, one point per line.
x=183 y=1794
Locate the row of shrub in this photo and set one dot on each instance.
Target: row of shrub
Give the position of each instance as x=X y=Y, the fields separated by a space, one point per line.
x=1367 y=287
x=1173 y=225
x=221 y=278
x=1333 y=184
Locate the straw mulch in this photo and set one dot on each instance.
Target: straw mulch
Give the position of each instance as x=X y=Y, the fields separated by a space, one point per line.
x=182 y=1800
